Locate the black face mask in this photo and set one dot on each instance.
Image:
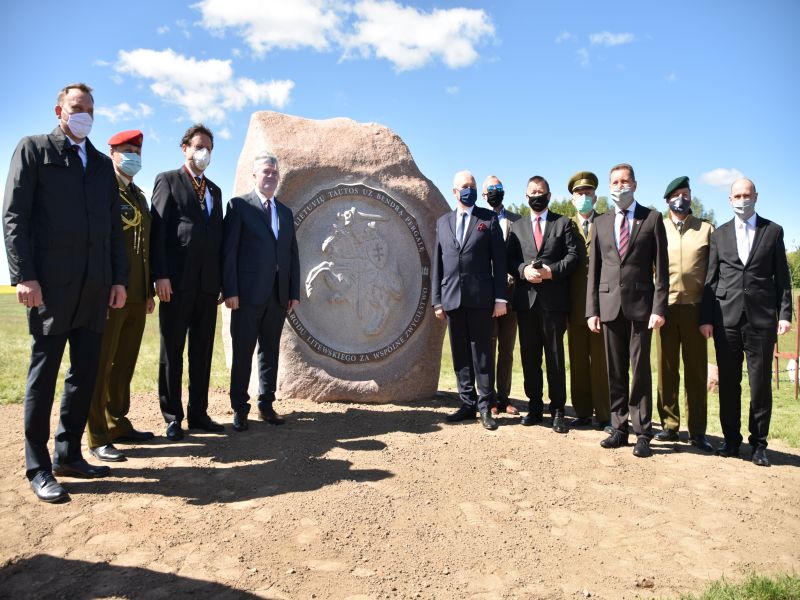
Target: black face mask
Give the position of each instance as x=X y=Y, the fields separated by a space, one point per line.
x=538 y=203
x=495 y=197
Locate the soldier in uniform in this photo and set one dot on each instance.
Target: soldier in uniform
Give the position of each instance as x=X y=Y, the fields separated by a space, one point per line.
x=123 y=334
x=688 y=243
x=587 y=356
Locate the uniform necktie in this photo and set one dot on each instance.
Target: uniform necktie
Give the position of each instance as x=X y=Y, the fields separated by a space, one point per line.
x=586 y=228
x=624 y=234
x=537 y=234
x=460 y=229
x=679 y=225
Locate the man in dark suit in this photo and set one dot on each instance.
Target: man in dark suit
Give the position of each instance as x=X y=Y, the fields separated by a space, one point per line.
x=747 y=299
x=542 y=253
x=627 y=293
x=504 y=329
x=469 y=288
x=64 y=244
x=185 y=260
x=261 y=283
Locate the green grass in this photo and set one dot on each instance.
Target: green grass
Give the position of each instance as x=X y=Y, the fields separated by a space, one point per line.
x=754 y=587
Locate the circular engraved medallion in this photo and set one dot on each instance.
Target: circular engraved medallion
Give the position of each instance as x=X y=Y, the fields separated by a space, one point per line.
x=364 y=274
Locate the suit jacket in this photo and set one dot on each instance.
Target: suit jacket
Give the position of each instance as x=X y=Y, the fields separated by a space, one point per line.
x=251 y=256
x=505 y=227
x=62 y=228
x=471 y=275
x=761 y=288
x=185 y=245
x=561 y=251
x=579 y=277
x=637 y=285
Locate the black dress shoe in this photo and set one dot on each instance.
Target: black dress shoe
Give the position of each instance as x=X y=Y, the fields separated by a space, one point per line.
x=47 y=489
x=532 y=418
x=269 y=415
x=760 y=457
x=80 y=469
x=581 y=422
x=701 y=443
x=206 y=424
x=667 y=435
x=559 y=422
x=107 y=453
x=174 y=431
x=134 y=436
x=487 y=421
x=240 y=421
x=615 y=440
x=642 y=448
x=464 y=413
x=607 y=428
x=728 y=450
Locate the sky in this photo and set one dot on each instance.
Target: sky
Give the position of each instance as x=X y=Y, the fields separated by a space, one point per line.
x=708 y=89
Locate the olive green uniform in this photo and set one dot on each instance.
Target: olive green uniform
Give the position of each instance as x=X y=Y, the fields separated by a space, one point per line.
x=680 y=334
x=588 y=376
x=123 y=334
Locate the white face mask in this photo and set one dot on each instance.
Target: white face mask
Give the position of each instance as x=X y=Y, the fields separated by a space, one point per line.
x=622 y=198
x=201 y=159
x=80 y=124
x=744 y=209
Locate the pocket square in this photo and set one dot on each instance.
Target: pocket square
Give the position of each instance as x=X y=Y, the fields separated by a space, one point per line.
x=481 y=226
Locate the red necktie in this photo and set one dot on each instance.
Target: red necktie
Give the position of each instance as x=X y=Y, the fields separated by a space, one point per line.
x=624 y=234
x=537 y=234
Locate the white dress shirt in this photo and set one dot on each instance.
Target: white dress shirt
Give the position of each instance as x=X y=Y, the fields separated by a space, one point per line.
x=745 y=232
x=631 y=209
x=275 y=224
x=209 y=199
x=542 y=223
x=81 y=148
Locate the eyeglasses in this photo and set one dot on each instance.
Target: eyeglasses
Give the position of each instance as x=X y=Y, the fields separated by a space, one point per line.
x=494 y=188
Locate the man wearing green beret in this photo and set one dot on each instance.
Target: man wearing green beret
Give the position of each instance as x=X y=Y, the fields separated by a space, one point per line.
x=587 y=356
x=688 y=241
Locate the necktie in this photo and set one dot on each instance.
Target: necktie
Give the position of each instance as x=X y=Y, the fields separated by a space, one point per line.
x=77 y=150
x=624 y=234
x=679 y=225
x=586 y=228
x=460 y=229
x=743 y=243
x=537 y=234
x=268 y=209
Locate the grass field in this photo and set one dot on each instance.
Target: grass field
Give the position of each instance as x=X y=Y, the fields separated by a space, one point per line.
x=15 y=353
x=754 y=587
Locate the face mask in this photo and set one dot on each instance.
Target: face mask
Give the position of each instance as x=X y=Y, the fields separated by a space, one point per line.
x=201 y=159
x=622 y=198
x=130 y=163
x=495 y=197
x=80 y=124
x=584 y=204
x=744 y=209
x=468 y=196
x=680 y=205
x=538 y=203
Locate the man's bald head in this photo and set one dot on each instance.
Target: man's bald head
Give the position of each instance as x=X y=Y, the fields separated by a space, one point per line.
x=743 y=184
x=490 y=180
x=464 y=177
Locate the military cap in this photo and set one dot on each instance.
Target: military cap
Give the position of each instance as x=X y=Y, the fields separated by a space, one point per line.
x=676 y=184
x=582 y=179
x=131 y=136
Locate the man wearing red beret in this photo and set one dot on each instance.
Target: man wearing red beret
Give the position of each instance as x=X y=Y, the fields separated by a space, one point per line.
x=108 y=421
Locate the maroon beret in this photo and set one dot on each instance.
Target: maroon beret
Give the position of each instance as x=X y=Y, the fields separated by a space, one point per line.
x=131 y=136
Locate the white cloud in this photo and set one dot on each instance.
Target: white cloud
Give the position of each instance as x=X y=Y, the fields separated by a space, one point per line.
x=224 y=133
x=452 y=90
x=124 y=112
x=162 y=30
x=672 y=77
x=268 y=24
x=606 y=38
x=721 y=177
x=564 y=36
x=101 y=63
x=205 y=89
x=583 y=57
x=410 y=38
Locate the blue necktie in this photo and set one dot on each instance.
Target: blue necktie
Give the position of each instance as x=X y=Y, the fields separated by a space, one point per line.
x=460 y=228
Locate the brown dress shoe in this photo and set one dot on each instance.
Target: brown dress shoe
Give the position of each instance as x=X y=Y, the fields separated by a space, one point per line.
x=511 y=410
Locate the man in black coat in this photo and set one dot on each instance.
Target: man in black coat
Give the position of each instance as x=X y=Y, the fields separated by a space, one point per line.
x=185 y=244
x=65 y=255
x=747 y=300
x=469 y=288
x=543 y=251
x=261 y=283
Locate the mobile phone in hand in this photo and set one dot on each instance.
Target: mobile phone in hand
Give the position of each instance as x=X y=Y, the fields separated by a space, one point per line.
x=537 y=264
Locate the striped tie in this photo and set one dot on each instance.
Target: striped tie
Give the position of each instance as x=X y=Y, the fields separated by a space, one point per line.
x=624 y=234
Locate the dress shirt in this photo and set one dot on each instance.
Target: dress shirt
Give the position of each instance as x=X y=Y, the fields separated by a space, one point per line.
x=209 y=199
x=81 y=149
x=459 y=212
x=745 y=232
x=542 y=223
x=617 y=211
x=503 y=221
x=275 y=224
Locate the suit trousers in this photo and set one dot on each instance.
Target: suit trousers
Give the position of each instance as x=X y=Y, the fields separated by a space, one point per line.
x=732 y=344
x=111 y=400
x=473 y=361
x=680 y=335
x=628 y=347
x=587 y=356
x=252 y=323
x=504 y=335
x=543 y=331
x=46 y=354
x=195 y=313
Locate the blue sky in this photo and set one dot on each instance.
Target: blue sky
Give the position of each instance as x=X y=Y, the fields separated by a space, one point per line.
x=708 y=89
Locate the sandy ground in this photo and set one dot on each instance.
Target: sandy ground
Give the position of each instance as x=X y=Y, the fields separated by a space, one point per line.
x=357 y=501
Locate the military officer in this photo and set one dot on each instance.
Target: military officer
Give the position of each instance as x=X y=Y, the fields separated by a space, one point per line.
x=688 y=240
x=108 y=421
x=587 y=355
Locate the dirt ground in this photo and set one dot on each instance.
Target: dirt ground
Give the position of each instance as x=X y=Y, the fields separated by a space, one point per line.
x=362 y=501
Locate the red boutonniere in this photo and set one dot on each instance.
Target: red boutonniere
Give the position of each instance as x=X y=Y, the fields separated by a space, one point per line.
x=481 y=226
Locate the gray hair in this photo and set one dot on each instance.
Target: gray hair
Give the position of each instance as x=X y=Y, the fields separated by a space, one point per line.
x=263 y=157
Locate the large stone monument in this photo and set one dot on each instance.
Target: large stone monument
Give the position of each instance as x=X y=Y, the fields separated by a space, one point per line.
x=365 y=220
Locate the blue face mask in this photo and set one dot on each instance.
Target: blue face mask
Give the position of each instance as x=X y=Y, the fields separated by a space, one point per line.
x=468 y=196
x=130 y=163
x=584 y=204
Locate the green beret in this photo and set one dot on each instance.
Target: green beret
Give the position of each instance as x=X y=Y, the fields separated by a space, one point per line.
x=676 y=184
x=582 y=179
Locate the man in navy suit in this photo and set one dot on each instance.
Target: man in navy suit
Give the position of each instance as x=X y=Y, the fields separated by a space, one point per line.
x=261 y=283
x=469 y=288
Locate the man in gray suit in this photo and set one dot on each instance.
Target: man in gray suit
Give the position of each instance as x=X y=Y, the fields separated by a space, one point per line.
x=261 y=283
x=65 y=255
